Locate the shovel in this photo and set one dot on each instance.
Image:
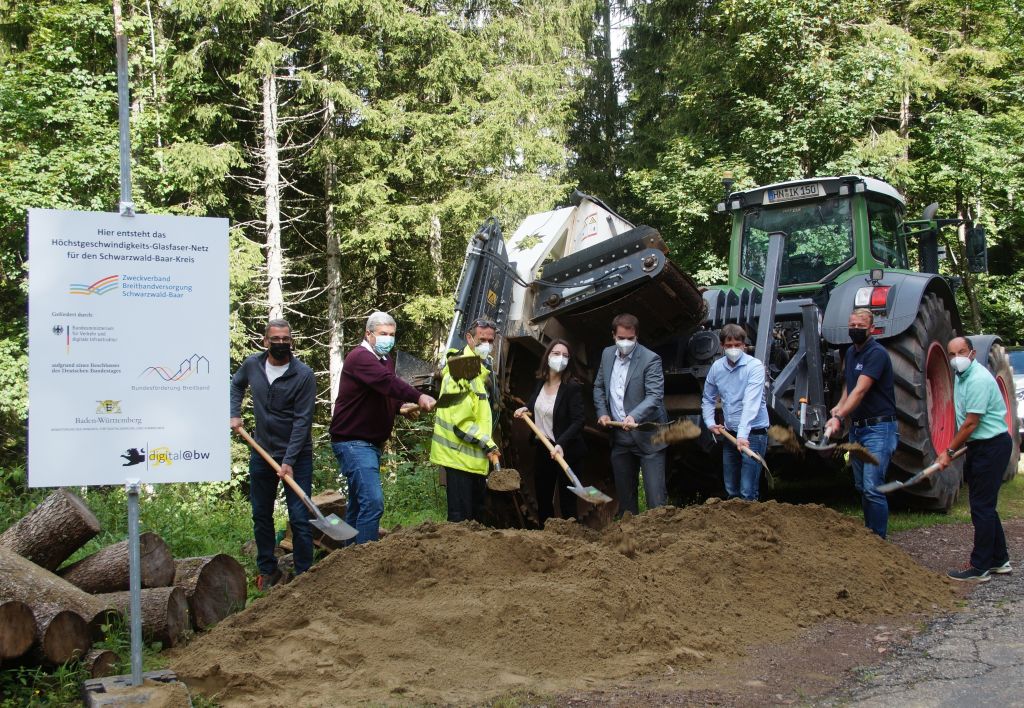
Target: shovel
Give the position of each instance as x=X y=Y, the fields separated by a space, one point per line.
x=752 y=455
x=590 y=494
x=823 y=445
x=923 y=474
x=331 y=525
x=445 y=400
x=644 y=427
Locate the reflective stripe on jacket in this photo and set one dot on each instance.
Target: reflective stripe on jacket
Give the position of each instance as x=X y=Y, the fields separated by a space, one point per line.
x=462 y=432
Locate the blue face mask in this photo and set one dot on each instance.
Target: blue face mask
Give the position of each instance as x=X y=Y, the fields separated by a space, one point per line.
x=385 y=343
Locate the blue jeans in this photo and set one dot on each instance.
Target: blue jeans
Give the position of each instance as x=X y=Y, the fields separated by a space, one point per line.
x=359 y=462
x=263 y=483
x=740 y=473
x=880 y=439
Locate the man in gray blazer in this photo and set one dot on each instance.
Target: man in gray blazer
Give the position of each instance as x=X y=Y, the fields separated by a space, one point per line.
x=630 y=388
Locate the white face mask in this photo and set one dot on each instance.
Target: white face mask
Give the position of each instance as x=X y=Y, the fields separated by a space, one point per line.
x=483 y=349
x=960 y=363
x=625 y=345
x=557 y=362
x=733 y=354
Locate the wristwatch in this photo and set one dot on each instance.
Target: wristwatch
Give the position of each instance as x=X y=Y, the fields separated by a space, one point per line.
x=950 y=451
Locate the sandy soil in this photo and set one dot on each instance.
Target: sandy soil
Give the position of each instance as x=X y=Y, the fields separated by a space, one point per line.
x=673 y=606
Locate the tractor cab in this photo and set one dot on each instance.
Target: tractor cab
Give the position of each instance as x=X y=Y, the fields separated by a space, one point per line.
x=835 y=227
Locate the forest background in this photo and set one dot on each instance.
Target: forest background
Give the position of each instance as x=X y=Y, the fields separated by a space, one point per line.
x=356 y=145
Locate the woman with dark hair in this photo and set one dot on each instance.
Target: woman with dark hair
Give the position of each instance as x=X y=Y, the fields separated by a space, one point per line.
x=557 y=409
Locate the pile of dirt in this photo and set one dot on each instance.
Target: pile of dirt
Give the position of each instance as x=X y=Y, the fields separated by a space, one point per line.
x=458 y=613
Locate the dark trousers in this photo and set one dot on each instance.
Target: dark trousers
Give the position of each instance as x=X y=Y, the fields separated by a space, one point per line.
x=983 y=472
x=627 y=461
x=548 y=476
x=263 y=483
x=466 y=492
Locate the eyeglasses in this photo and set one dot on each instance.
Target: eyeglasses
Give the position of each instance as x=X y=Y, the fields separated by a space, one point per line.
x=280 y=340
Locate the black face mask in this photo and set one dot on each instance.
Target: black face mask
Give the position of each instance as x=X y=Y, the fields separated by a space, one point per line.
x=281 y=351
x=858 y=336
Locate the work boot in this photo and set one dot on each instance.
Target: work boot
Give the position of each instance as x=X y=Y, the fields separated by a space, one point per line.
x=265 y=582
x=1001 y=569
x=969 y=574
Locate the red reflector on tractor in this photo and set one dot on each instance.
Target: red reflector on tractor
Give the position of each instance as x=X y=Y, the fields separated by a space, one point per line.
x=879 y=295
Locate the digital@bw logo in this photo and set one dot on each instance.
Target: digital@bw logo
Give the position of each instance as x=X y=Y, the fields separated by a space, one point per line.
x=162 y=455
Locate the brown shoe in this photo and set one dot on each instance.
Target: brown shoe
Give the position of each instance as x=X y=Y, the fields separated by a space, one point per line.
x=265 y=582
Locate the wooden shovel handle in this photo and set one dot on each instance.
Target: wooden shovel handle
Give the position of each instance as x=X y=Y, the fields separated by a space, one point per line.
x=544 y=439
x=271 y=461
x=746 y=451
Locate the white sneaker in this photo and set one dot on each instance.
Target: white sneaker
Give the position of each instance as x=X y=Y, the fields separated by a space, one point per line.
x=1004 y=569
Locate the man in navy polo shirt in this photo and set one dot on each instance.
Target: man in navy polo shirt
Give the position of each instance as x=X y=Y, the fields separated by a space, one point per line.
x=869 y=401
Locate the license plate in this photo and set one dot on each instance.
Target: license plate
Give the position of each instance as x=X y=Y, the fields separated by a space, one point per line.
x=792 y=193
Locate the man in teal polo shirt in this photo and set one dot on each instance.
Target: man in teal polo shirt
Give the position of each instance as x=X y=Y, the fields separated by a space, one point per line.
x=981 y=423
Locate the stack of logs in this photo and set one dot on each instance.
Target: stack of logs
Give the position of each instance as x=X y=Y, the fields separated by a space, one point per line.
x=51 y=614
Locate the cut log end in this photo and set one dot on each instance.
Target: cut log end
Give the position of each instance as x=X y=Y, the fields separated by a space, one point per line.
x=164 y=612
x=17 y=629
x=100 y=663
x=214 y=585
x=63 y=637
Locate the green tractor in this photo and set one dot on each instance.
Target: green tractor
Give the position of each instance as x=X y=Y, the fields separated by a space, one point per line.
x=803 y=255
x=826 y=246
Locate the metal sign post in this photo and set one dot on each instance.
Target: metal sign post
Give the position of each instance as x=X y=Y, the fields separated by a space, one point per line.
x=135 y=579
x=127 y=208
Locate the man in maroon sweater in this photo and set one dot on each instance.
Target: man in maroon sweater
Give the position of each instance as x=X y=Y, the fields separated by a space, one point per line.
x=369 y=397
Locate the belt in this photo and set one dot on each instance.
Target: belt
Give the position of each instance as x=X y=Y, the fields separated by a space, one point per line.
x=874 y=421
x=753 y=431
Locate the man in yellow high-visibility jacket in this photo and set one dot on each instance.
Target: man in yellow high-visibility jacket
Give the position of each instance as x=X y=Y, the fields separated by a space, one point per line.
x=462 y=441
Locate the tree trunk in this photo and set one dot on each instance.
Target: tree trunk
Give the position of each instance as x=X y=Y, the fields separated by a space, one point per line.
x=17 y=629
x=335 y=305
x=47 y=594
x=100 y=663
x=214 y=587
x=164 y=612
x=437 y=258
x=963 y=212
x=51 y=532
x=106 y=570
x=272 y=193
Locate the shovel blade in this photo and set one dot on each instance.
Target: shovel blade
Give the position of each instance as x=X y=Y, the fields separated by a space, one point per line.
x=893 y=486
x=333 y=526
x=890 y=487
x=593 y=495
x=819 y=447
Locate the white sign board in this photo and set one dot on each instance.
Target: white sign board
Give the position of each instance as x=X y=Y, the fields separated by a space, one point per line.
x=128 y=349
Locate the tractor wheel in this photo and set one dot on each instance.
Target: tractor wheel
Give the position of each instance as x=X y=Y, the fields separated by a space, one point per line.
x=924 y=404
x=999 y=365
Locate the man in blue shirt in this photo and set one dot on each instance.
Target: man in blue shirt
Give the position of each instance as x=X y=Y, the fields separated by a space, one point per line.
x=738 y=380
x=869 y=401
x=981 y=424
